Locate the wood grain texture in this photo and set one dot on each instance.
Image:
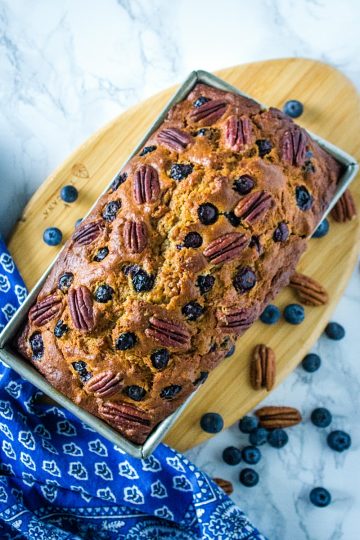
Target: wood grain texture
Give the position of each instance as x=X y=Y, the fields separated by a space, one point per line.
x=332 y=110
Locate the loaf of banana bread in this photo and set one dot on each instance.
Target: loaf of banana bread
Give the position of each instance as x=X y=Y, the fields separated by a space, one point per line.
x=193 y=238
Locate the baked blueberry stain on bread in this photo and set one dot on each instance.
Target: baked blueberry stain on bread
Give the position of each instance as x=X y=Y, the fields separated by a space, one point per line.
x=192 y=240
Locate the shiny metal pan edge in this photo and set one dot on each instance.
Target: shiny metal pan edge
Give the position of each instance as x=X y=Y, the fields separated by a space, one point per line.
x=27 y=371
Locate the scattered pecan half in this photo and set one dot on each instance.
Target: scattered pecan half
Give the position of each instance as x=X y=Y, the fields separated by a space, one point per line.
x=105 y=384
x=262 y=368
x=254 y=206
x=272 y=417
x=45 y=310
x=146 y=184
x=309 y=291
x=168 y=333
x=345 y=209
x=225 y=485
x=226 y=248
x=87 y=233
x=174 y=138
x=209 y=112
x=293 y=146
x=81 y=308
x=238 y=132
x=135 y=236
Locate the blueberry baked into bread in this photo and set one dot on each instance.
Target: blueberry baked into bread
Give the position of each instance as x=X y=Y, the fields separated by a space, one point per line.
x=181 y=255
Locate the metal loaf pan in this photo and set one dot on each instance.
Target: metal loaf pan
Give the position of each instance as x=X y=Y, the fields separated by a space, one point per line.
x=26 y=370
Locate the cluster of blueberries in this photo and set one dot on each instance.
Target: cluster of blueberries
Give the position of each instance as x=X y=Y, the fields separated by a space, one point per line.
x=321 y=417
x=52 y=236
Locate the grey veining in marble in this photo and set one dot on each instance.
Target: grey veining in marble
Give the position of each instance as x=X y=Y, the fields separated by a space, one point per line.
x=68 y=67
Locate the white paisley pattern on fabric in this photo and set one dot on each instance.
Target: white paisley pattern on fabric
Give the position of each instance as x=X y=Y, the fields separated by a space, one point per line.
x=61 y=480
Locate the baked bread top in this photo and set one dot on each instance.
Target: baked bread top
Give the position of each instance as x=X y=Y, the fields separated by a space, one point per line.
x=194 y=237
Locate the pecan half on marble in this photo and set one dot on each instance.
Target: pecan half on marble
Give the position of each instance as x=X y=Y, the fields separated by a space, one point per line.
x=45 y=310
x=81 y=308
x=209 y=112
x=309 y=291
x=254 y=206
x=105 y=384
x=146 y=184
x=135 y=236
x=262 y=368
x=272 y=417
x=124 y=417
x=226 y=248
x=293 y=146
x=87 y=233
x=225 y=485
x=238 y=132
x=168 y=333
x=174 y=138
x=345 y=209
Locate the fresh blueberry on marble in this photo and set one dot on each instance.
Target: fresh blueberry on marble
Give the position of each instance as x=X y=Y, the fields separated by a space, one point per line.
x=160 y=359
x=339 y=440
x=37 y=345
x=244 y=184
x=208 y=213
x=69 y=194
x=303 y=198
x=322 y=229
x=147 y=150
x=321 y=417
x=170 y=391
x=211 y=422
x=248 y=477
x=334 y=331
x=264 y=147
x=179 y=171
x=137 y=393
x=192 y=311
x=103 y=294
x=320 y=497
x=294 y=314
x=200 y=101
x=101 y=254
x=247 y=424
x=125 y=341
x=142 y=281
x=270 y=315
x=193 y=240
x=60 y=329
x=277 y=438
x=258 y=436
x=251 y=455
x=311 y=362
x=231 y=455
x=293 y=108
x=205 y=283
x=52 y=236
x=230 y=351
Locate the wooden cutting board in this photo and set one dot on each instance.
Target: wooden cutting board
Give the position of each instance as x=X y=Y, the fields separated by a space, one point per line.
x=332 y=110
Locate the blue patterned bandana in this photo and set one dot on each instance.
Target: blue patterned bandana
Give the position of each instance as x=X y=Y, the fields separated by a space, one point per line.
x=59 y=479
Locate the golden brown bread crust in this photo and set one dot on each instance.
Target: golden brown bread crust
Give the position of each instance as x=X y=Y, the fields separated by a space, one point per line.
x=136 y=238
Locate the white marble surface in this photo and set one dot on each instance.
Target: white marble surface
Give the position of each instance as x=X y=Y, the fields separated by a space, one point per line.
x=69 y=66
